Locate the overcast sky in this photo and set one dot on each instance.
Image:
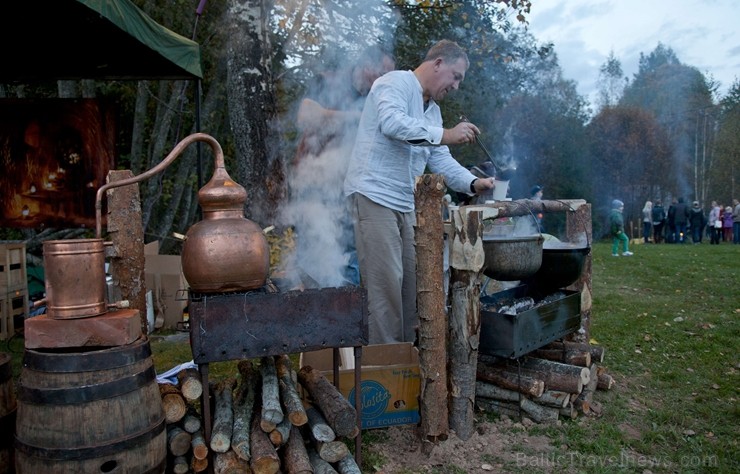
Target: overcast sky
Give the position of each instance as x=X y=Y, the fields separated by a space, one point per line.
x=703 y=33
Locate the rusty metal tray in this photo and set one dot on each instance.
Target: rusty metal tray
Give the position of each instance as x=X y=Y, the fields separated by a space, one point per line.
x=512 y=336
x=254 y=324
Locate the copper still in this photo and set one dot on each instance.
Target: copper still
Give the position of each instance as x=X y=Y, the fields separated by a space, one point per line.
x=225 y=251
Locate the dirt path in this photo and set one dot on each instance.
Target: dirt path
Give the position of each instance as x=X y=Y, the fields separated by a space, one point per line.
x=501 y=446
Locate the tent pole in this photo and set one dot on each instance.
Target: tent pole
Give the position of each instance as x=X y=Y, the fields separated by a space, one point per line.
x=197 y=129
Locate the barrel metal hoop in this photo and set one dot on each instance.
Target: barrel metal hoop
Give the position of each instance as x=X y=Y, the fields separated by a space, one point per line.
x=92 y=452
x=57 y=362
x=158 y=469
x=87 y=393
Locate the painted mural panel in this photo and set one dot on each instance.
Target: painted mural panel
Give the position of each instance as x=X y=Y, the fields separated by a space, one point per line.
x=54 y=155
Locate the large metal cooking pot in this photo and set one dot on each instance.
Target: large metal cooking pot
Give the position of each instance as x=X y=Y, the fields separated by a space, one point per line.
x=562 y=265
x=512 y=258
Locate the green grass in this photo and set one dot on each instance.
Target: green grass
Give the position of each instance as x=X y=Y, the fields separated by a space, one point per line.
x=668 y=318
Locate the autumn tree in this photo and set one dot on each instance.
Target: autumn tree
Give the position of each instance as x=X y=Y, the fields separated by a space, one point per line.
x=630 y=154
x=612 y=82
x=542 y=125
x=725 y=173
x=678 y=96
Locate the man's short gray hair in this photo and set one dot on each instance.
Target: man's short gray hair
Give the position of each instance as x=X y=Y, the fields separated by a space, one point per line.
x=448 y=50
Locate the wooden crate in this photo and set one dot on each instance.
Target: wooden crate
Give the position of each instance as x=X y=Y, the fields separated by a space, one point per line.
x=6 y=322
x=15 y=312
x=13 y=266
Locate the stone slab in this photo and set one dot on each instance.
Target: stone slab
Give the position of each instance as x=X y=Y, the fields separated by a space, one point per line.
x=114 y=328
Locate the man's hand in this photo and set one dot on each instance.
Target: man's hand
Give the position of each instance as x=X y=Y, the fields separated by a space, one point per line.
x=464 y=132
x=483 y=184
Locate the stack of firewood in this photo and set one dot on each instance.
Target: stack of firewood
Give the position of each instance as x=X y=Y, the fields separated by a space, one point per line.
x=261 y=425
x=557 y=380
x=186 y=445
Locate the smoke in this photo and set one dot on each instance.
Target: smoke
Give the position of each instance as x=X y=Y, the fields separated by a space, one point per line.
x=318 y=211
x=316 y=208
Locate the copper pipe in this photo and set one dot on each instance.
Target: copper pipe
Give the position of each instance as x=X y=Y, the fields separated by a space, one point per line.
x=184 y=143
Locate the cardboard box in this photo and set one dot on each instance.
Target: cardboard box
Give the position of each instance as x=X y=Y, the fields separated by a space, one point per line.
x=391 y=382
x=164 y=278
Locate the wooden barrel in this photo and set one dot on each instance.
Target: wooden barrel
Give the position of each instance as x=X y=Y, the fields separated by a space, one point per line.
x=7 y=414
x=96 y=411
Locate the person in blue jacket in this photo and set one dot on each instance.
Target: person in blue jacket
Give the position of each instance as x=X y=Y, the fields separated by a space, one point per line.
x=616 y=226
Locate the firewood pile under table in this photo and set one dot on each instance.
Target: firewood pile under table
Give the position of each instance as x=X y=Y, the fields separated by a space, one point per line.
x=258 y=421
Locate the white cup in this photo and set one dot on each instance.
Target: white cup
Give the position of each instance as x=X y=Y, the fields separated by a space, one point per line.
x=500 y=190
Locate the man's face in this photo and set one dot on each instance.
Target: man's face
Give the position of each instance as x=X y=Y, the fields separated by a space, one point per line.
x=447 y=76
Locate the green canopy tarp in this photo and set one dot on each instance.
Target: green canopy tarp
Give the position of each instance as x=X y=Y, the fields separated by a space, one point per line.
x=90 y=39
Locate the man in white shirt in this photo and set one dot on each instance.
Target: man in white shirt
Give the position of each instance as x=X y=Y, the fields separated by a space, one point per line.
x=399 y=135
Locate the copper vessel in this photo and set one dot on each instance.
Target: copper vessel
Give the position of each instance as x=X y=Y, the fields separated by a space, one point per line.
x=225 y=251
x=74 y=278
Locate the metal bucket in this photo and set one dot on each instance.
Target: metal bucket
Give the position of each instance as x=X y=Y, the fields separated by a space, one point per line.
x=95 y=411
x=75 y=278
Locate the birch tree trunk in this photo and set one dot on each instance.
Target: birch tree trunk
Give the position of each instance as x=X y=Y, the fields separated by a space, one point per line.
x=252 y=107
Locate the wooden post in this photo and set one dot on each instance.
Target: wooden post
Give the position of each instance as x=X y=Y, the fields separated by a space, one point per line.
x=431 y=304
x=467 y=260
x=126 y=231
x=578 y=227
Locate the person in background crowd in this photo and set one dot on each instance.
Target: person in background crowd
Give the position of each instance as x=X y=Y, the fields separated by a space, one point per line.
x=680 y=219
x=658 y=221
x=647 y=221
x=400 y=134
x=670 y=235
x=327 y=117
x=697 y=221
x=715 y=223
x=616 y=226
x=727 y=224
x=535 y=194
x=736 y=222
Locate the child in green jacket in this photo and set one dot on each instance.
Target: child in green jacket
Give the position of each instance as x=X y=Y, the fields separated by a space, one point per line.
x=616 y=224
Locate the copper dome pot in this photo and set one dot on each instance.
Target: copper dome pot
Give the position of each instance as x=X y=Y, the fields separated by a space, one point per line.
x=225 y=251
